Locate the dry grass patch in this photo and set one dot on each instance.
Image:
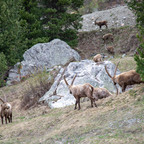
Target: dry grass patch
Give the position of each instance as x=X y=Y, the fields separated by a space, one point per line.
x=127 y=63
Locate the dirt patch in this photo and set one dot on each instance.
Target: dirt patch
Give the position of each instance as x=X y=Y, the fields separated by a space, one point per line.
x=91 y=43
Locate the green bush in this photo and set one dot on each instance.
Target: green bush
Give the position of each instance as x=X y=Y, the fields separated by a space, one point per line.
x=138 y=9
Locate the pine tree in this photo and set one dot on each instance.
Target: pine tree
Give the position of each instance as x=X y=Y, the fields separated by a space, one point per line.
x=59 y=22
x=30 y=15
x=12 y=40
x=138 y=8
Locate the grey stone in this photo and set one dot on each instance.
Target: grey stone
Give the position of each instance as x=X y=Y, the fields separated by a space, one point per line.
x=116 y=17
x=87 y=72
x=43 y=56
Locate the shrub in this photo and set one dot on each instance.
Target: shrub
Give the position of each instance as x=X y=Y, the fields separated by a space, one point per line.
x=40 y=84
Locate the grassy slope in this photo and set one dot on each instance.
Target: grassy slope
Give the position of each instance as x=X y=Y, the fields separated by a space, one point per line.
x=91 y=43
x=118 y=119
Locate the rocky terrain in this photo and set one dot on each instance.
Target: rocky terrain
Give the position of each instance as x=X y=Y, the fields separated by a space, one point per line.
x=117 y=17
x=57 y=52
x=42 y=56
x=121 y=23
x=87 y=72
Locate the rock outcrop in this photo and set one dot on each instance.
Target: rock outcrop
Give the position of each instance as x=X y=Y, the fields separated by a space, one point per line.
x=43 y=56
x=87 y=72
x=116 y=17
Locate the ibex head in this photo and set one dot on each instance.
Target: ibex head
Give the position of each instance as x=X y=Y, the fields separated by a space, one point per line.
x=69 y=86
x=96 y=20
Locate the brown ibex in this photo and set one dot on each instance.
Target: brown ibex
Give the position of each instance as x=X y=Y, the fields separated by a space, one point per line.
x=110 y=49
x=108 y=36
x=100 y=93
x=101 y=23
x=6 y=111
x=124 y=79
x=79 y=91
x=97 y=58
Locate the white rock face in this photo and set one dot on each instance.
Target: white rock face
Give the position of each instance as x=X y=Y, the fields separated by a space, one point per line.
x=43 y=56
x=116 y=17
x=87 y=72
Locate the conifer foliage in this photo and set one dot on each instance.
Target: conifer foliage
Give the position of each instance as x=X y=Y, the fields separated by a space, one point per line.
x=138 y=8
x=24 y=23
x=61 y=19
x=30 y=19
x=12 y=40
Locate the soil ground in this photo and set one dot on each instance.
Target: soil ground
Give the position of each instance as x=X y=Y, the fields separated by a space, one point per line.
x=91 y=43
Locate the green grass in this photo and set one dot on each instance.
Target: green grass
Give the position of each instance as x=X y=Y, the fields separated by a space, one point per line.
x=127 y=63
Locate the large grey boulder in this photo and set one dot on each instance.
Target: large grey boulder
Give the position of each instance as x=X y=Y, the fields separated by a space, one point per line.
x=43 y=56
x=87 y=72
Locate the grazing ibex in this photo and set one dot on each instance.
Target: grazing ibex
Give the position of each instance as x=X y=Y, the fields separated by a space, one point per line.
x=97 y=58
x=110 y=49
x=79 y=91
x=126 y=78
x=6 y=111
x=108 y=36
x=101 y=23
x=100 y=93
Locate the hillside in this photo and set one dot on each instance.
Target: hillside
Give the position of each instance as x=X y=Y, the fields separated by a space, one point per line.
x=121 y=23
x=116 y=120
x=91 y=43
x=116 y=17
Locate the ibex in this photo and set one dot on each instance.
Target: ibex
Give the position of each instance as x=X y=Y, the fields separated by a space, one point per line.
x=108 y=36
x=97 y=58
x=100 y=93
x=101 y=23
x=126 y=78
x=6 y=111
x=110 y=49
x=79 y=91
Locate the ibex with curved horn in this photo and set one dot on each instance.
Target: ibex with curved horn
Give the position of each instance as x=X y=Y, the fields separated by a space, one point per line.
x=78 y=91
x=126 y=78
x=101 y=23
x=6 y=111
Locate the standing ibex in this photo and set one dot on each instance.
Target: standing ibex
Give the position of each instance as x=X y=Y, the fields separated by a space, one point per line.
x=101 y=23
x=79 y=91
x=6 y=111
x=126 y=78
